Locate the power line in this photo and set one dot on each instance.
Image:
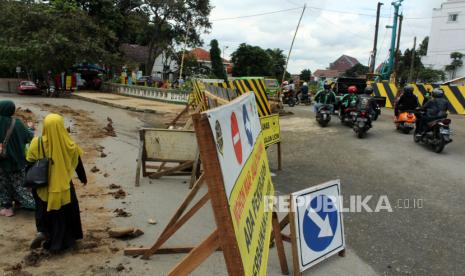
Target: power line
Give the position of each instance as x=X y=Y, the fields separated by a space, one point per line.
x=255 y=15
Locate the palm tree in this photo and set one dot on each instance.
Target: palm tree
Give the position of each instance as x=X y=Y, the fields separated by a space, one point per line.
x=455 y=64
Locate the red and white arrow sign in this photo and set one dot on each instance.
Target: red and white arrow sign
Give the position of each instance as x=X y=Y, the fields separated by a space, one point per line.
x=236 y=138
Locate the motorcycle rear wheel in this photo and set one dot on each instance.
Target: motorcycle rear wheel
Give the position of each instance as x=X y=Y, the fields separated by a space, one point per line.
x=439 y=147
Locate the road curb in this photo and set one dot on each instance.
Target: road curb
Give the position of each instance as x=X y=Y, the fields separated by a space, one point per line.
x=135 y=109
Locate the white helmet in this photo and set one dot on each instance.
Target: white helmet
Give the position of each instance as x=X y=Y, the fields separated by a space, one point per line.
x=285 y=82
x=305 y=84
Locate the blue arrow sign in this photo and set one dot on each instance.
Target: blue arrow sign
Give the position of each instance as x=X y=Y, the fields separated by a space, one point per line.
x=320 y=223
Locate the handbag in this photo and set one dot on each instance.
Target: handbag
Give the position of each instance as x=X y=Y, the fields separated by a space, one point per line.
x=4 y=145
x=37 y=175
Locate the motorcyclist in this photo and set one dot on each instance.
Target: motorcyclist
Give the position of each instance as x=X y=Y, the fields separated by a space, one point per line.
x=407 y=101
x=304 y=91
x=435 y=109
x=349 y=99
x=365 y=101
x=325 y=97
x=427 y=96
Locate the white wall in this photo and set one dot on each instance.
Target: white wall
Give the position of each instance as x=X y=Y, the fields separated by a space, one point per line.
x=446 y=36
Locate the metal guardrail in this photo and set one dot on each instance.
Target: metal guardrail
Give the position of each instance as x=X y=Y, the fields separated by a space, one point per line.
x=159 y=94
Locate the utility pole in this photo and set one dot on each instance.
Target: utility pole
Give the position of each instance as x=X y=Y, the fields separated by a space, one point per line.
x=373 y=53
x=183 y=51
x=412 y=60
x=292 y=44
x=396 y=56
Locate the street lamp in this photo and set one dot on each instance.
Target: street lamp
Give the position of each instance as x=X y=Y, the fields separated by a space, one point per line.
x=224 y=48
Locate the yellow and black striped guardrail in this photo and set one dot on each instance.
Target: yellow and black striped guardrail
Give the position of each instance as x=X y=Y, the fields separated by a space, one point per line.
x=259 y=89
x=454 y=94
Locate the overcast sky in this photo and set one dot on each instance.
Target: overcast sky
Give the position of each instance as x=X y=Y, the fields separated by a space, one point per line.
x=329 y=28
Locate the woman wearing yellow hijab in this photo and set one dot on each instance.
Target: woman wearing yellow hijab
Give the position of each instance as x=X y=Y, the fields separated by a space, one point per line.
x=57 y=209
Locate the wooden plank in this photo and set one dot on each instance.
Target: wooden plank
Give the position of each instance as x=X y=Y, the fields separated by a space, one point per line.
x=197 y=255
x=216 y=99
x=139 y=162
x=195 y=169
x=162 y=165
x=286 y=238
x=295 y=253
x=164 y=144
x=177 y=250
x=279 y=245
x=185 y=110
x=144 y=153
x=219 y=200
x=181 y=167
x=279 y=157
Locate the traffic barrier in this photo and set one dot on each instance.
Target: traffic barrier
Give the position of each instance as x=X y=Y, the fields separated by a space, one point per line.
x=257 y=86
x=387 y=90
x=454 y=94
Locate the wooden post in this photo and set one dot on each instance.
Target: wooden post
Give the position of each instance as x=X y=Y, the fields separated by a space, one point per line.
x=139 y=161
x=280 y=245
x=279 y=156
x=212 y=171
x=197 y=256
x=295 y=253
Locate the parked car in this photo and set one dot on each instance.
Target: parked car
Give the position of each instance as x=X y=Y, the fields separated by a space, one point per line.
x=28 y=87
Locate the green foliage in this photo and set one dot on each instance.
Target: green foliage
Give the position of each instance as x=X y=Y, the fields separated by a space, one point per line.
x=356 y=71
x=251 y=60
x=216 y=60
x=455 y=64
x=40 y=37
x=428 y=75
x=423 y=48
x=305 y=75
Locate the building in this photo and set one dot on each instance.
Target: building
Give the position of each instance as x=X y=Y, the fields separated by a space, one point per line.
x=447 y=36
x=343 y=63
x=336 y=68
x=203 y=58
x=325 y=74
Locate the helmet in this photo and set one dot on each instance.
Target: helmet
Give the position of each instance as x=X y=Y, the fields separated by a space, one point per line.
x=408 y=90
x=368 y=90
x=305 y=84
x=285 y=83
x=352 y=89
x=438 y=93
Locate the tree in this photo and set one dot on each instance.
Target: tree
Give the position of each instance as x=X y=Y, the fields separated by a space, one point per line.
x=173 y=21
x=250 y=61
x=429 y=75
x=356 y=71
x=305 y=75
x=423 y=48
x=277 y=63
x=455 y=64
x=216 y=60
x=55 y=36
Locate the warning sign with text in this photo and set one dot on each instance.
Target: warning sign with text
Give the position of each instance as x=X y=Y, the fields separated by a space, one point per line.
x=270 y=129
x=246 y=175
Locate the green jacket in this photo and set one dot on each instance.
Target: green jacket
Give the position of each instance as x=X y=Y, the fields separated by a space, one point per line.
x=349 y=100
x=19 y=138
x=325 y=97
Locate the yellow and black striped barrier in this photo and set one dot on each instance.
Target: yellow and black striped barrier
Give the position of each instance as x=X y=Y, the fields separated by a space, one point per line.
x=454 y=94
x=257 y=85
x=198 y=95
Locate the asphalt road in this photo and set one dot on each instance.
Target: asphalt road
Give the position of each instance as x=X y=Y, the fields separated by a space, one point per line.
x=421 y=241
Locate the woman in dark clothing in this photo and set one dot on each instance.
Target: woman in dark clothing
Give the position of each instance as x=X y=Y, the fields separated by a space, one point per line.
x=57 y=215
x=12 y=167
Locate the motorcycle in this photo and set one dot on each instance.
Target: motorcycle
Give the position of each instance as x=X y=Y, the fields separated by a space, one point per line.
x=323 y=115
x=361 y=123
x=437 y=135
x=377 y=111
x=405 y=122
x=306 y=99
x=348 y=115
x=290 y=99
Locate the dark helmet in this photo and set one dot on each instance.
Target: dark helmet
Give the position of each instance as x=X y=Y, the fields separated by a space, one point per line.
x=327 y=85
x=408 y=90
x=352 y=89
x=438 y=93
x=368 y=90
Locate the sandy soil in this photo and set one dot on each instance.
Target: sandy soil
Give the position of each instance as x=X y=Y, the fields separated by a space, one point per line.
x=17 y=259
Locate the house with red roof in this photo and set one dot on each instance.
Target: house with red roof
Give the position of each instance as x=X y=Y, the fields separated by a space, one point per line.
x=336 y=68
x=203 y=58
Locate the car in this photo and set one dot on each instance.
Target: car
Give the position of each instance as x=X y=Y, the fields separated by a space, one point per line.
x=28 y=87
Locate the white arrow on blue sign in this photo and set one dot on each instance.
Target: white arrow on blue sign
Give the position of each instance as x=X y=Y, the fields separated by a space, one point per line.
x=318 y=220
